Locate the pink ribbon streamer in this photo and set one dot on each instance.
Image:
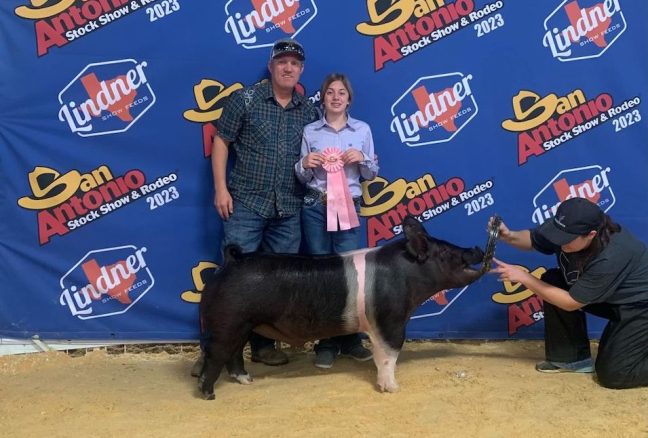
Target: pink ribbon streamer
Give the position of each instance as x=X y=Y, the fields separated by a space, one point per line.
x=339 y=203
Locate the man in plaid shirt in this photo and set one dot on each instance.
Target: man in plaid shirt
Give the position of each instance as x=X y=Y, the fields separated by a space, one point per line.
x=260 y=203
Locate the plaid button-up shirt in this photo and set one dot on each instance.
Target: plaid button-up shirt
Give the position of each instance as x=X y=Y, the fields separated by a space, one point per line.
x=266 y=139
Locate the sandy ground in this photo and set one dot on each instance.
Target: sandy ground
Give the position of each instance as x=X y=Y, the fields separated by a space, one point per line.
x=486 y=389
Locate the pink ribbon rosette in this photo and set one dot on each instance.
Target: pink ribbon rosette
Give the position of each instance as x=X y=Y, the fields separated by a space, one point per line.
x=339 y=203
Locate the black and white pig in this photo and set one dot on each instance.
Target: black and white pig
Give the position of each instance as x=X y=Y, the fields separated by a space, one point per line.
x=303 y=298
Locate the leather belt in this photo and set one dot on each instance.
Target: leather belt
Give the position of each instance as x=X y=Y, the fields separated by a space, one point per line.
x=316 y=195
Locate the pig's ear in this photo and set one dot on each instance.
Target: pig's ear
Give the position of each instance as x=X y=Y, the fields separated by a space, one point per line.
x=412 y=226
x=417 y=247
x=417 y=243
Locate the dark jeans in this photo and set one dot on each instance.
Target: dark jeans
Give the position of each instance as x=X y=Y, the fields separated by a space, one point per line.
x=622 y=360
x=339 y=344
x=252 y=232
x=320 y=241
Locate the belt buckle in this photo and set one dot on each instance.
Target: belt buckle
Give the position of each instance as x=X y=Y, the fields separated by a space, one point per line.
x=311 y=197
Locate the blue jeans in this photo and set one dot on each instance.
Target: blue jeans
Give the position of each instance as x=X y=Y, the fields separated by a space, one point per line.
x=253 y=232
x=319 y=241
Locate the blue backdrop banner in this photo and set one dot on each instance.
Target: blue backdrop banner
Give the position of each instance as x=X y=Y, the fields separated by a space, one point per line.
x=477 y=108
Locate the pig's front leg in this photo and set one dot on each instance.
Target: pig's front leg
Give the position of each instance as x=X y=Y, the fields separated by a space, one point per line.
x=385 y=360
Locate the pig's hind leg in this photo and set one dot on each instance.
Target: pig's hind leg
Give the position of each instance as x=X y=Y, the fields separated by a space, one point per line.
x=236 y=369
x=224 y=344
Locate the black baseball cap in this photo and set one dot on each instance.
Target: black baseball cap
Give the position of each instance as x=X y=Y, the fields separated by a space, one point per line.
x=287 y=46
x=574 y=217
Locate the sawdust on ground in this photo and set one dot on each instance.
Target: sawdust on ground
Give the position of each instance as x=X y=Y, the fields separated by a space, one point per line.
x=467 y=389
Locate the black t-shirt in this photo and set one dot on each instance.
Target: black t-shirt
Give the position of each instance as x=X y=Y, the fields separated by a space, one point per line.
x=617 y=275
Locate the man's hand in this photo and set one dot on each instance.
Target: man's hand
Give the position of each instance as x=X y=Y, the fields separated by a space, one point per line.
x=223 y=203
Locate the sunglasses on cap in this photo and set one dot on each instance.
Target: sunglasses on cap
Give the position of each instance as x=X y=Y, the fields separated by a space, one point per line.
x=288 y=48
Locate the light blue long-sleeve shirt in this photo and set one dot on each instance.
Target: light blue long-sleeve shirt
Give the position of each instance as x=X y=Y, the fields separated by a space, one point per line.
x=320 y=135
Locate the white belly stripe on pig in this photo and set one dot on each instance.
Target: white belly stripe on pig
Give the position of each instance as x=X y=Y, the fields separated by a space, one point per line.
x=358 y=283
x=359 y=262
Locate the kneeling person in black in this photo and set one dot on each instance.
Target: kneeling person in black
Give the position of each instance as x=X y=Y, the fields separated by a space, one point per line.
x=603 y=270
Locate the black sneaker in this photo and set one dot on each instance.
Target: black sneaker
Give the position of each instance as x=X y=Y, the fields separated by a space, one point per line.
x=359 y=353
x=582 y=366
x=324 y=358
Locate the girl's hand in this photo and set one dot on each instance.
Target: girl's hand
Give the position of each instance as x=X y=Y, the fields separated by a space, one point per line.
x=351 y=156
x=312 y=160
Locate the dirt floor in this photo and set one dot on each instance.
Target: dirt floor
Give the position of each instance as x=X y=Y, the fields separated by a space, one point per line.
x=467 y=389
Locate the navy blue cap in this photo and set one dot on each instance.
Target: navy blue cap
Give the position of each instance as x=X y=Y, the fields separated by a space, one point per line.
x=574 y=217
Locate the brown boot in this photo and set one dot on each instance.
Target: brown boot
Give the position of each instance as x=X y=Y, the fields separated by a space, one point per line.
x=197 y=367
x=270 y=356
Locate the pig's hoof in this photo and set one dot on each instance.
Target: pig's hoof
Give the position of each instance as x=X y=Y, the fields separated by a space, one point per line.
x=390 y=387
x=207 y=394
x=243 y=379
x=202 y=387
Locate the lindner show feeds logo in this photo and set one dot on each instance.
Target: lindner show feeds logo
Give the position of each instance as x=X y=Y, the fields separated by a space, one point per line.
x=262 y=22
x=106 y=282
x=210 y=97
x=545 y=122
x=60 y=22
x=524 y=307
x=401 y=28
x=73 y=200
x=589 y=182
x=106 y=98
x=582 y=29
x=433 y=109
x=386 y=204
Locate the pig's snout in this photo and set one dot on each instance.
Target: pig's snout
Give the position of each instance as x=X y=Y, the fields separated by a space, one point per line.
x=473 y=256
